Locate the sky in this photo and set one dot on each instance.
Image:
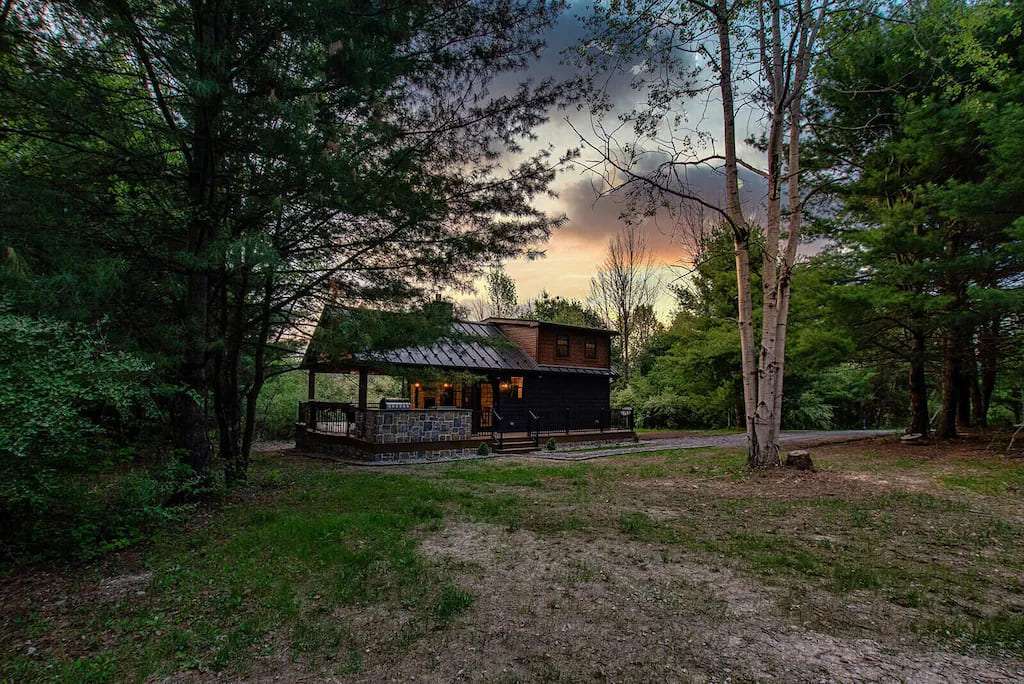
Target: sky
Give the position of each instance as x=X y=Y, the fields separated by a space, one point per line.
x=575 y=251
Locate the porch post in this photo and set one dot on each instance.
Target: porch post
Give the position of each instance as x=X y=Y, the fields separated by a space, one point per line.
x=311 y=389
x=363 y=378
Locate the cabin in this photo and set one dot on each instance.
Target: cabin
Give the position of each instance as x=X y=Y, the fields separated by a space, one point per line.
x=515 y=384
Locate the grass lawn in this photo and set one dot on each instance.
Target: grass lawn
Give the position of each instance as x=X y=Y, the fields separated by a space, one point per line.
x=890 y=562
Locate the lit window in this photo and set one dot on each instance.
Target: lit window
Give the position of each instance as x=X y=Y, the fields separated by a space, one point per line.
x=590 y=349
x=514 y=388
x=562 y=346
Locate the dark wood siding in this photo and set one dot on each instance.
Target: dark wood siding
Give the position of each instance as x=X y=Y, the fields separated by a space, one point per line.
x=552 y=394
x=549 y=395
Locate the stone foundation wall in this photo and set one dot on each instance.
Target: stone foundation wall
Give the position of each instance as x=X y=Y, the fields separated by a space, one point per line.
x=374 y=428
x=420 y=425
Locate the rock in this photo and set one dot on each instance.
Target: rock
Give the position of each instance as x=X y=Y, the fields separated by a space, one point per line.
x=799 y=460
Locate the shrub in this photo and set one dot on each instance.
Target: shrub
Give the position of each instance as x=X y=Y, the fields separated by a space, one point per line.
x=68 y=489
x=551 y=446
x=484 y=449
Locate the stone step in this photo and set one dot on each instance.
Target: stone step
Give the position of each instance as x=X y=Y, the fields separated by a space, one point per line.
x=516 y=449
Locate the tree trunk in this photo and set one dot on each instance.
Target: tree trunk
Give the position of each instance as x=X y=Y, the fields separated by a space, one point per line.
x=919 y=417
x=968 y=376
x=988 y=353
x=740 y=230
x=259 y=370
x=189 y=417
x=950 y=389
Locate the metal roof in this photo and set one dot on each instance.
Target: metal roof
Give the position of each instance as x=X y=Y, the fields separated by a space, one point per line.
x=576 y=370
x=472 y=346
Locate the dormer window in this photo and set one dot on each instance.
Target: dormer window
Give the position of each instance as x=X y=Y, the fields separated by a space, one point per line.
x=562 y=346
x=590 y=349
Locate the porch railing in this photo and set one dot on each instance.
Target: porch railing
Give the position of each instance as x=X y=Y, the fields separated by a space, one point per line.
x=537 y=424
x=498 y=428
x=569 y=420
x=328 y=416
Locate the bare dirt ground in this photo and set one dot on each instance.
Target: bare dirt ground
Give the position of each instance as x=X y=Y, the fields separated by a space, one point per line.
x=613 y=611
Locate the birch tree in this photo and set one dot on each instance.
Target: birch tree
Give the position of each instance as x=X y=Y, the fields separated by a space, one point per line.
x=706 y=68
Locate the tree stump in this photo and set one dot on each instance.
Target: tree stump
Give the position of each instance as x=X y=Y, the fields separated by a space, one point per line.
x=799 y=460
x=913 y=438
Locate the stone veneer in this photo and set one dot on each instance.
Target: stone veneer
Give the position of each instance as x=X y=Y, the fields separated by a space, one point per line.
x=401 y=426
x=414 y=425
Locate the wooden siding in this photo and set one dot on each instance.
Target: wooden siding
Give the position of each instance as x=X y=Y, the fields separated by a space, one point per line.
x=524 y=336
x=546 y=353
x=553 y=394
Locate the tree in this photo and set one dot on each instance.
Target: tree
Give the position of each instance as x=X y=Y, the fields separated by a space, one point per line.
x=501 y=294
x=929 y=227
x=239 y=165
x=560 y=310
x=762 y=52
x=687 y=376
x=624 y=289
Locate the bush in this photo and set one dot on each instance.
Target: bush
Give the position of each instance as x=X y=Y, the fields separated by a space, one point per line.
x=484 y=449
x=68 y=489
x=551 y=446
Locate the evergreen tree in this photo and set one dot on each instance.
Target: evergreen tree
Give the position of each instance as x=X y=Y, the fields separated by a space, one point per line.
x=230 y=167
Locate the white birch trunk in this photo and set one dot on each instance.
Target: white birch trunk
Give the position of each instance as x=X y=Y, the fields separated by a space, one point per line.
x=741 y=233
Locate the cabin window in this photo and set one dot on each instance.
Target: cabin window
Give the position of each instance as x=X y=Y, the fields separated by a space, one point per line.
x=562 y=346
x=513 y=389
x=590 y=349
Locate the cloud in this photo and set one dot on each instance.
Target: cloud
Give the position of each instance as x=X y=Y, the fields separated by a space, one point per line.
x=669 y=229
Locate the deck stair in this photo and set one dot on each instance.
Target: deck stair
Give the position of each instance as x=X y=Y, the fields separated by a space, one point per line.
x=514 y=445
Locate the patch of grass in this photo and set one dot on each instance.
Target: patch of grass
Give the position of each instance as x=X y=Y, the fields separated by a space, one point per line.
x=770 y=554
x=642 y=527
x=515 y=475
x=992 y=482
x=282 y=562
x=451 y=603
x=1003 y=632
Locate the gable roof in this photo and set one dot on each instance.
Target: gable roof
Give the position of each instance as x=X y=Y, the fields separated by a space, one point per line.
x=471 y=347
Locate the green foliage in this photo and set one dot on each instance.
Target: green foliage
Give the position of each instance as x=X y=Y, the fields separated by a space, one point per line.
x=280 y=396
x=68 y=488
x=501 y=293
x=484 y=449
x=689 y=374
x=560 y=310
x=927 y=243
x=551 y=446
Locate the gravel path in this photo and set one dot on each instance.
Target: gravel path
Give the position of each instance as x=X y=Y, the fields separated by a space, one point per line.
x=654 y=443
